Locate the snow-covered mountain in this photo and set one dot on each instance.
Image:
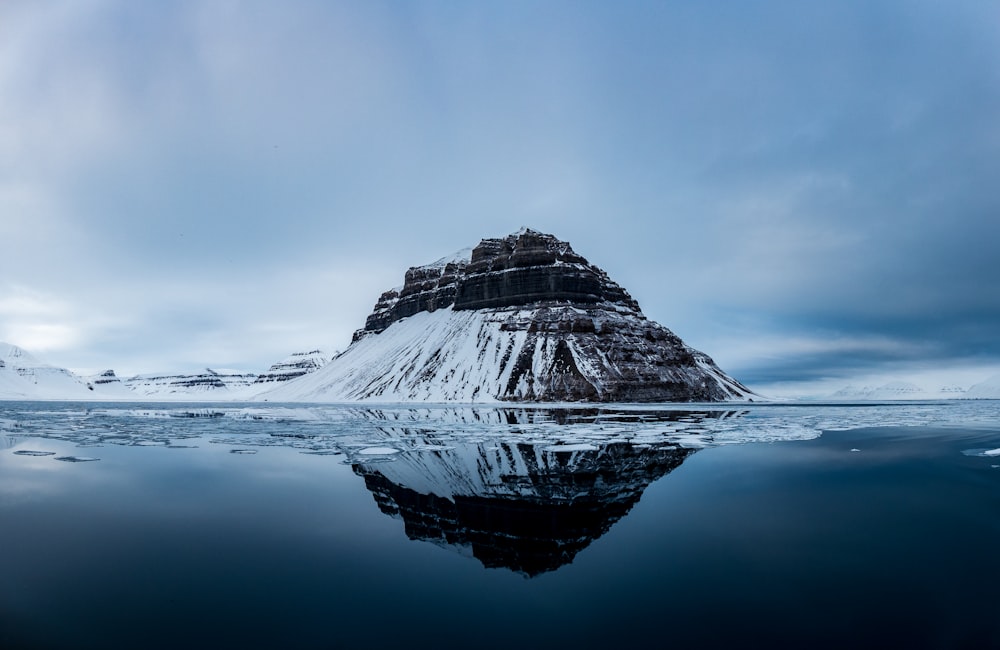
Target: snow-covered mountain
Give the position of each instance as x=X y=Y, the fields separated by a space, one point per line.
x=989 y=389
x=22 y=376
x=521 y=318
x=894 y=390
x=897 y=390
x=108 y=385
x=209 y=384
x=215 y=384
x=293 y=366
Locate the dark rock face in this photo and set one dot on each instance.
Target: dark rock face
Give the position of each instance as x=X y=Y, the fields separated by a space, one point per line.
x=521 y=269
x=628 y=359
x=106 y=377
x=530 y=522
x=425 y=288
x=531 y=267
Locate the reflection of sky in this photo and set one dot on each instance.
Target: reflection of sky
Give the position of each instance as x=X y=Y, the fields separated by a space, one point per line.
x=804 y=192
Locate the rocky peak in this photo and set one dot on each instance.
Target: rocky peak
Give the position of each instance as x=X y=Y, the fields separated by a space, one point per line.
x=520 y=318
x=530 y=267
x=524 y=268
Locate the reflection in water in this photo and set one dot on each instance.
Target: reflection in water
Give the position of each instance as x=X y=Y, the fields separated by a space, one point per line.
x=281 y=549
x=517 y=487
x=521 y=487
x=528 y=508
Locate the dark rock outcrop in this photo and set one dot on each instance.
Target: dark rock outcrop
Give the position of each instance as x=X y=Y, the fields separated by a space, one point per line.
x=293 y=367
x=105 y=378
x=525 y=268
x=531 y=267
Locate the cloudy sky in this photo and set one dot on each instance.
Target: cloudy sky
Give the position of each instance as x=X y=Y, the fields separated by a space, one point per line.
x=809 y=192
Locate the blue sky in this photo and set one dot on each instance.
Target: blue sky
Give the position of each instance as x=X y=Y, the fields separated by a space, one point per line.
x=805 y=191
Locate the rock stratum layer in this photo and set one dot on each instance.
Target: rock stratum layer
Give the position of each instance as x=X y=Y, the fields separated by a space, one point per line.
x=521 y=318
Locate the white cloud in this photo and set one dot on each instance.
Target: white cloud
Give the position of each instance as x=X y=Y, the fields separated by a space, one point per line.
x=36 y=321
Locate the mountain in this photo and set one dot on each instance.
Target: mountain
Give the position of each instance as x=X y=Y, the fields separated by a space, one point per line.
x=210 y=384
x=989 y=389
x=294 y=366
x=897 y=390
x=520 y=318
x=109 y=385
x=22 y=376
x=214 y=384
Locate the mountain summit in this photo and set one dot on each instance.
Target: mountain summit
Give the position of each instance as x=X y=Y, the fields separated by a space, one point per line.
x=519 y=318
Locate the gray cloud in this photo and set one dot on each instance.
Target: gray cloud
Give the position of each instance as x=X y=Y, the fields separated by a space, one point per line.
x=189 y=181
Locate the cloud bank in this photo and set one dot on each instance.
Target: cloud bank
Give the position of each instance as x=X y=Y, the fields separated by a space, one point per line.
x=803 y=191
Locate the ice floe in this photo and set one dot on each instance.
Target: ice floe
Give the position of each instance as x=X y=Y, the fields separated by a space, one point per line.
x=350 y=430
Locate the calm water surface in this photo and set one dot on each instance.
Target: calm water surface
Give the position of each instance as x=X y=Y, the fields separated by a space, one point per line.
x=165 y=526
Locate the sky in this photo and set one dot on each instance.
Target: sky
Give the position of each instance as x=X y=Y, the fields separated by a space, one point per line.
x=807 y=192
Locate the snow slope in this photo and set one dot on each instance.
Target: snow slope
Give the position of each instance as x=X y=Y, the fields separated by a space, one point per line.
x=22 y=376
x=989 y=389
x=448 y=355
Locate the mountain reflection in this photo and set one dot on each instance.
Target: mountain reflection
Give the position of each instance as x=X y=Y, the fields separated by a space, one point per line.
x=529 y=508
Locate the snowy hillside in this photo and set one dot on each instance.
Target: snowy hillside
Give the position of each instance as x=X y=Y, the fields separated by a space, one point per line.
x=989 y=389
x=22 y=376
x=461 y=356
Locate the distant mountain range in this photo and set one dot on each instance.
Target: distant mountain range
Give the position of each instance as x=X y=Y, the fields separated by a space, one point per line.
x=902 y=390
x=23 y=376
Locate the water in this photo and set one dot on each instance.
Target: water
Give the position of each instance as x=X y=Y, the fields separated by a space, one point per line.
x=164 y=526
